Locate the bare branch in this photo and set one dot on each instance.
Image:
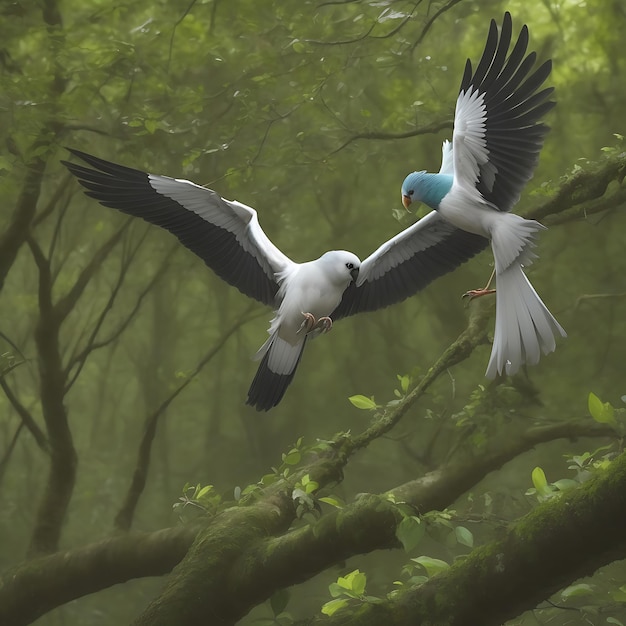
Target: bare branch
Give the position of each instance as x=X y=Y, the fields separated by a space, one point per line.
x=78 y=361
x=598 y=296
x=26 y=417
x=433 y=128
x=66 y=303
x=368 y=33
x=4 y=461
x=474 y=335
x=53 y=201
x=431 y=21
x=178 y=21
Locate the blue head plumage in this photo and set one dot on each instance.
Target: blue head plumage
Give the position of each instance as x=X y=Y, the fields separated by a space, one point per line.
x=425 y=187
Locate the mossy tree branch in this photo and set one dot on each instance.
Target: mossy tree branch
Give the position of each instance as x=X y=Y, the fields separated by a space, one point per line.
x=555 y=544
x=370 y=522
x=269 y=562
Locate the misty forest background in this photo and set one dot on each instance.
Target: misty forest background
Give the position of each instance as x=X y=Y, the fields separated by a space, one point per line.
x=125 y=362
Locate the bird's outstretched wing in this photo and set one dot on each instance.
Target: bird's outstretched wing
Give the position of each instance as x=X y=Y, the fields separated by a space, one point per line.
x=225 y=234
x=407 y=263
x=497 y=134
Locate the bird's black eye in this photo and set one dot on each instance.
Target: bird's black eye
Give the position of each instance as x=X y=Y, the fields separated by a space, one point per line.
x=350 y=266
x=411 y=192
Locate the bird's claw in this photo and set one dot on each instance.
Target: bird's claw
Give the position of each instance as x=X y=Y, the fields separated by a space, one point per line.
x=310 y=324
x=477 y=293
x=323 y=324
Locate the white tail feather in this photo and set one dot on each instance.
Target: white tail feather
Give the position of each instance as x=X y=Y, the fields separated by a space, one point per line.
x=512 y=240
x=283 y=356
x=524 y=326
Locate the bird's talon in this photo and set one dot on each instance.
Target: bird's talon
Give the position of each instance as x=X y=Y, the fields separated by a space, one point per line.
x=477 y=293
x=323 y=324
x=308 y=323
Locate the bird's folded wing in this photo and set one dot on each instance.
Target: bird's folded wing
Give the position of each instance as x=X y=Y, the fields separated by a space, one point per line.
x=407 y=263
x=225 y=234
x=497 y=134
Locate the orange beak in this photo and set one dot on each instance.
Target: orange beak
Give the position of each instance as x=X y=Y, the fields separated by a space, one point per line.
x=406 y=200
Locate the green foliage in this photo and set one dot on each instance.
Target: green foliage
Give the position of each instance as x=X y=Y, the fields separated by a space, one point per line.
x=405 y=383
x=196 y=500
x=346 y=590
x=410 y=532
x=363 y=403
x=302 y=495
x=432 y=566
x=439 y=525
x=602 y=412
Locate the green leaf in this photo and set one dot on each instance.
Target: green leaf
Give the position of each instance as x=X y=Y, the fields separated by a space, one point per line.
x=601 y=412
x=279 y=601
x=539 y=481
x=204 y=491
x=336 y=590
x=565 y=483
x=151 y=126
x=355 y=582
x=464 y=536
x=405 y=381
x=330 y=608
x=613 y=620
x=333 y=501
x=362 y=402
x=311 y=486
x=292 y=458
x=410 y=532
x=432 y=566
x=574 y=591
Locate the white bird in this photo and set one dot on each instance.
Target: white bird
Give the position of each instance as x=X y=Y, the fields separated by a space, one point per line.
x=495 y=148
x=307 y=297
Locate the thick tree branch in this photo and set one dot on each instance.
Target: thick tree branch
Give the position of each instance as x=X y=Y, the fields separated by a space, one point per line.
x=39 y=585
x=32 y=589
x=369 y=523
x=584 y=186
x=555 y=544
x=198 y=586
x=605 y=203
